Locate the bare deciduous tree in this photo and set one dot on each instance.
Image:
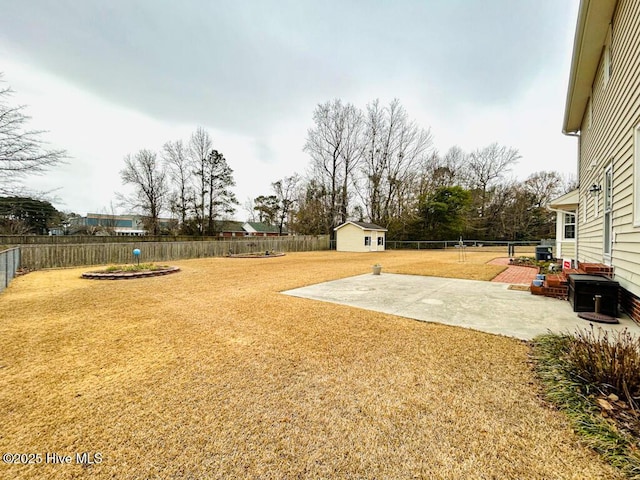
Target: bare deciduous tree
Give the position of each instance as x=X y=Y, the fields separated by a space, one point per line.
x=395 y=150
x=177 y=163
x=543 y=186
x=22 y=151
x=312 y=209
x=200 y=145
x=146 y=175
x=334 y=146
x=285 y=191
x=487 y=165
x=250 y=207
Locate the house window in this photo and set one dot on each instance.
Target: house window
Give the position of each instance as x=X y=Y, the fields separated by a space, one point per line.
x=380 y=241
x=569 y=226
x=636 y=177
x=367 y=241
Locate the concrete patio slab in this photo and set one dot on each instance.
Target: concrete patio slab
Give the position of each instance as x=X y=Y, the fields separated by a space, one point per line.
x=485 y=306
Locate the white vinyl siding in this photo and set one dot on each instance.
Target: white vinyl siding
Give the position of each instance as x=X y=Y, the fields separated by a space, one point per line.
x=588 y=116
x=351 y=238
x=568 y=249
x=607 y=58
x=636 y=176
x=612 y=139
x=607 y=210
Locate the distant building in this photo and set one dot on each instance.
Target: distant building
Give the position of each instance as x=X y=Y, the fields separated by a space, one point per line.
x=259 y=229
x=133 y=225
x=105 y=224
x=229 y=228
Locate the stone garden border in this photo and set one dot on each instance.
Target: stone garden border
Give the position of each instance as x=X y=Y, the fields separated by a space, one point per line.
x=256 y=255
x=128 y=275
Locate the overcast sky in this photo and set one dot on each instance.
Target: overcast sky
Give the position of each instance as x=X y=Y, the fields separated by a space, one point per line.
x=108 y=78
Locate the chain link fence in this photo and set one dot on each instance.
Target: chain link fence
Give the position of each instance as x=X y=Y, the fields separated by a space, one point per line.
x=510 y=248
x=9 y=264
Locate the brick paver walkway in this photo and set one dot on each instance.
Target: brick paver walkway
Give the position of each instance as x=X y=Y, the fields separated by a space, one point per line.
x=514 y=274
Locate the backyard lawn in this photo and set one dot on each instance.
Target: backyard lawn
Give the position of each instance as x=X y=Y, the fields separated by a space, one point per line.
x=211 y=373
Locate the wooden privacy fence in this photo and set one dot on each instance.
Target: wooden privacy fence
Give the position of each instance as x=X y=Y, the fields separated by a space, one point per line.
x=69 y=239
x=34 y=257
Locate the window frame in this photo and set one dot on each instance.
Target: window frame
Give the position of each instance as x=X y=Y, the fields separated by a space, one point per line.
x=565 y=224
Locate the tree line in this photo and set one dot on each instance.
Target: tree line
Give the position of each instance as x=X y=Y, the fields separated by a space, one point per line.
x=378 y=165
x=374 y=164
x=192 y=181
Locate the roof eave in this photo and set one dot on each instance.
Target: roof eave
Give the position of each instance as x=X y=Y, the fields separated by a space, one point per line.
x=381 y=229
x=570 y=199
x=593 y=21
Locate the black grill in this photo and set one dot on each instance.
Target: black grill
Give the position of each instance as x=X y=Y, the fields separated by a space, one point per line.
x=583 y=289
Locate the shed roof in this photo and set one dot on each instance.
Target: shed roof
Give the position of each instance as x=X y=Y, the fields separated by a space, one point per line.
x=363 y=226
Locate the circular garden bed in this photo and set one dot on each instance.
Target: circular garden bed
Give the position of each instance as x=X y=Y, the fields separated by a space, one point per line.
x=125 y=272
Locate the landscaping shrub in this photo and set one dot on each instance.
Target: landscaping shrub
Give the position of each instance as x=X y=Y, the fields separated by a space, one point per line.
x=609 y=361
x=578 y=372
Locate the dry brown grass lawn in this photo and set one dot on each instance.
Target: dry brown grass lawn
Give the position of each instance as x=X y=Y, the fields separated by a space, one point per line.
x=211 y=373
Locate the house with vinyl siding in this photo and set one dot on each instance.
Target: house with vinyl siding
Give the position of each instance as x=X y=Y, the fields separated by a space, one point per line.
x=603 y=111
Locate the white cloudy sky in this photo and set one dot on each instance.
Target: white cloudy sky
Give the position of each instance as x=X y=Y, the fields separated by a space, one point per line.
x=108 y=78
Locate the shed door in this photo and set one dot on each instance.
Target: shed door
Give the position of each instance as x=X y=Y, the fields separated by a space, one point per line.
x=374 y=242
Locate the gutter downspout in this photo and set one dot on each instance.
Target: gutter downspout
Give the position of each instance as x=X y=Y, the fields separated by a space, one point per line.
x=575 y=134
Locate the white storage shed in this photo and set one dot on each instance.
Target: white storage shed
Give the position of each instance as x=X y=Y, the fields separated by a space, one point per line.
x=360 y=237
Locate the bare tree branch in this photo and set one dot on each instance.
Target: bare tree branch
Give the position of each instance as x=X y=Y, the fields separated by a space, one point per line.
x=144 y=172
x=22 y=152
